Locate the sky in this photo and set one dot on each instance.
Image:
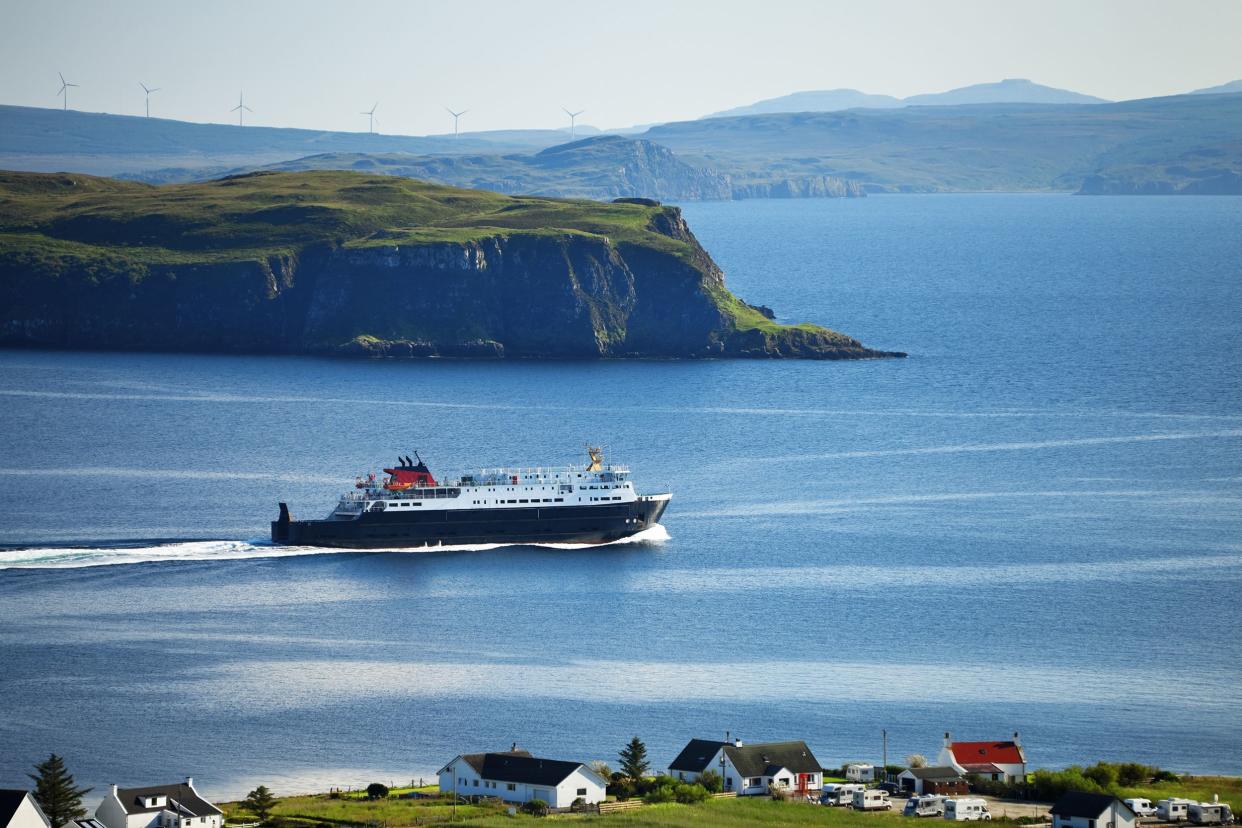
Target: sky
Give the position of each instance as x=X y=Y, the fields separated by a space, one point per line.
x=319 y=63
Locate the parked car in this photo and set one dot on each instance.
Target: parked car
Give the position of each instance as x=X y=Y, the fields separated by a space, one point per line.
x=1209 y=813
x=1173 y=809
x=967 y=808
x=1141 y=807
x=927 y=805
x=872 y=799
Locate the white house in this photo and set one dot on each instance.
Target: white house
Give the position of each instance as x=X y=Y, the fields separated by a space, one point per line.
x=860 y=772
x=998 y=761
x=751 y=769
x=18 y=809
x=1087 y=810
x=158 y=806
x=516 y=776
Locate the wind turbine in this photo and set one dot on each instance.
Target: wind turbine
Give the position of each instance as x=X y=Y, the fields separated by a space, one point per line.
x=572 y=118
x=64 y=89
x=455 y=115
x=371 y=117
x=241 y=109
x=148 y=91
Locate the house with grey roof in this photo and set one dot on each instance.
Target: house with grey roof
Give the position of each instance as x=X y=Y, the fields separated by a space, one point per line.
x=1077 y=809
x=158 y=806
x=751 y=769
x=933 y=780
x=516 y=776
x=18 y=809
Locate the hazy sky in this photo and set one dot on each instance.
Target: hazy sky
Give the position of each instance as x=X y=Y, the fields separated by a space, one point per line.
x=515 y=64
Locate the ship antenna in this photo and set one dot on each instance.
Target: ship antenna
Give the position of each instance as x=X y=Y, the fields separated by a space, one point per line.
x=416 y=455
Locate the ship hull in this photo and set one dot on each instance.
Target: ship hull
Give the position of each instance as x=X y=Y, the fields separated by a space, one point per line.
x=588 y=524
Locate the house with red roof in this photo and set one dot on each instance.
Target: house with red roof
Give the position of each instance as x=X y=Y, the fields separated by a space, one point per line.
x=998 y=761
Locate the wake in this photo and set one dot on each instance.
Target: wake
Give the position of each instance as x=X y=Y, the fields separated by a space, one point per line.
x=78 y=557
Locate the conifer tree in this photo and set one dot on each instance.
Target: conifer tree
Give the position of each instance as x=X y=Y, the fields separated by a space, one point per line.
x=55 y=791
x=634 y=762
x=261 y=802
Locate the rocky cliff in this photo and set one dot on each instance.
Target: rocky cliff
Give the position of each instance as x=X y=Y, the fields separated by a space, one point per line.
x=342 y=263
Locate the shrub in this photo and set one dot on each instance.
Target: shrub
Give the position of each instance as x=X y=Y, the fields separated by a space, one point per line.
x=1103 y=775
x=916 y=760
x=690 y=794
x=578 y=805
x=1165 y=776
x=535 y=807
x=1130 y=774
x=711 y=781
x=622 y=788
x=377 y=790
x=778 y=793
x=663 y=793
x=652 y=783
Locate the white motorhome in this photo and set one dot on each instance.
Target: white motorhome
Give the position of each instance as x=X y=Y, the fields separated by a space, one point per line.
x=929 y=805
x=1209 y=813
x=1141 y=807
x=837 y=793
x=872 y=799
x=1173 y=809
x=966 y=809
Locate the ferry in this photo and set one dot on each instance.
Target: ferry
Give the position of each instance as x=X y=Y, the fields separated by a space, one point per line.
x=591 y=503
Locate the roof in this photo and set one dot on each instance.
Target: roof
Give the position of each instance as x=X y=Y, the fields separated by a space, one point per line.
x=520 y=766
x=695 y=755
x=83 y=822
x=181 y=798
x=937 y=772
x=1087 y=805
x=767 y=758
x=978 y=753
x=10 y=801
x=475 y=760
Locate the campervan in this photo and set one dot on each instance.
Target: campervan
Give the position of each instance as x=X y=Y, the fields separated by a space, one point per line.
x=837 y=793
x=1141 y=807
x=872 y=799
x=1209 y=813
x=927 y=805
x=1173 y=809
x=966 y=809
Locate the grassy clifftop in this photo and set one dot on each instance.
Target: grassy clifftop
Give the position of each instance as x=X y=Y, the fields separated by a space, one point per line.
x=333 y=261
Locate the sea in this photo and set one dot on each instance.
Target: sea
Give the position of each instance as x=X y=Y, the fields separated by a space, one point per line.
x=1032 y=524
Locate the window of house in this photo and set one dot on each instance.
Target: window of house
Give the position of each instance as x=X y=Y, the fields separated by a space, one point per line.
x=582 y=792
x=509 y=786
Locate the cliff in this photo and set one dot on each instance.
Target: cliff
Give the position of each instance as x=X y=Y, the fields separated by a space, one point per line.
x=351 y=264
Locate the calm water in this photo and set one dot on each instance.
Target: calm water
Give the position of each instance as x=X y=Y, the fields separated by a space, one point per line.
x=1031 y=524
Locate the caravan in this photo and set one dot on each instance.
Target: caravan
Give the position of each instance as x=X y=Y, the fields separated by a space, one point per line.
x=838 y=793
x=928 y=805
x=1209 y=813
x=1173 y=809
x=872 y=799
x=966 y=809
x=1141 y=807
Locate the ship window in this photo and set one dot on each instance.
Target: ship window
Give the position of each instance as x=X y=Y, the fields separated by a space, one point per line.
x=560 y=500
x=523 y=501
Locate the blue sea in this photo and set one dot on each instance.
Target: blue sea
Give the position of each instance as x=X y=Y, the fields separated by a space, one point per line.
x=1033 y=523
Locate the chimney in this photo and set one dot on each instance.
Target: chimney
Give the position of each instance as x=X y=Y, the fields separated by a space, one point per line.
x=514 y=748
x=189 y=781
x=947 y=741
x=737 y=743
x=114 y=791
x=1017 y=741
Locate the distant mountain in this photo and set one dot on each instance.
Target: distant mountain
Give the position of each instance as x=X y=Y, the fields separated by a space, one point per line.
x=828 y=100
x=1223 y=89
x=52 y=140
x=1011 y=90
x=601 y=167
x=1181 y=144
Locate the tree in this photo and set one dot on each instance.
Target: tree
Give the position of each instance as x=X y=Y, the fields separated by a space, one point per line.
x=377 y=790
x=711 y=781
x=634 y=762
x=55 y=791
x=261 y=802
x=601 y=767
x=916 y=760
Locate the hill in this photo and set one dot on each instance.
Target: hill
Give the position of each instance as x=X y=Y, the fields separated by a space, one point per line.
x=1230 y=88
x=602 y=167
x=354 y=264
x=1009 y=147
x=1012 y=90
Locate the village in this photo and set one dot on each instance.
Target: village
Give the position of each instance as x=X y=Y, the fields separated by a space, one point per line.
x=708 y=782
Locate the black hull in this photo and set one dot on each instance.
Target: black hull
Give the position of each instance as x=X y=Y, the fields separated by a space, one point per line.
x=453 y=527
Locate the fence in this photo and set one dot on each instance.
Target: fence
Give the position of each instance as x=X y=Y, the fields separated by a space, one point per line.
x=614 y=807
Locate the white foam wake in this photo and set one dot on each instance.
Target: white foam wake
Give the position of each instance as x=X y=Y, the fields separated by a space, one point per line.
x=75 y=557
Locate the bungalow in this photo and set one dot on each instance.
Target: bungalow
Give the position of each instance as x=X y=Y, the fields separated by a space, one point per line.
x=751 y=769
x=158 y=806
x=933 y=780
x=516 y=776
x=1076 y=809
x=997 y=761
x=18 y=809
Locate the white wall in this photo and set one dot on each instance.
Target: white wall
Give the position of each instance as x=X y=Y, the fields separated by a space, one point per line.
x=567 y=791
x=468 y=781
x=28 y=815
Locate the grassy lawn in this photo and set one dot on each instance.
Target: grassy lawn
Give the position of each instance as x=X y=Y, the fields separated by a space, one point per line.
x=1198 y=788
x=355 y=809
x=728 y=812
